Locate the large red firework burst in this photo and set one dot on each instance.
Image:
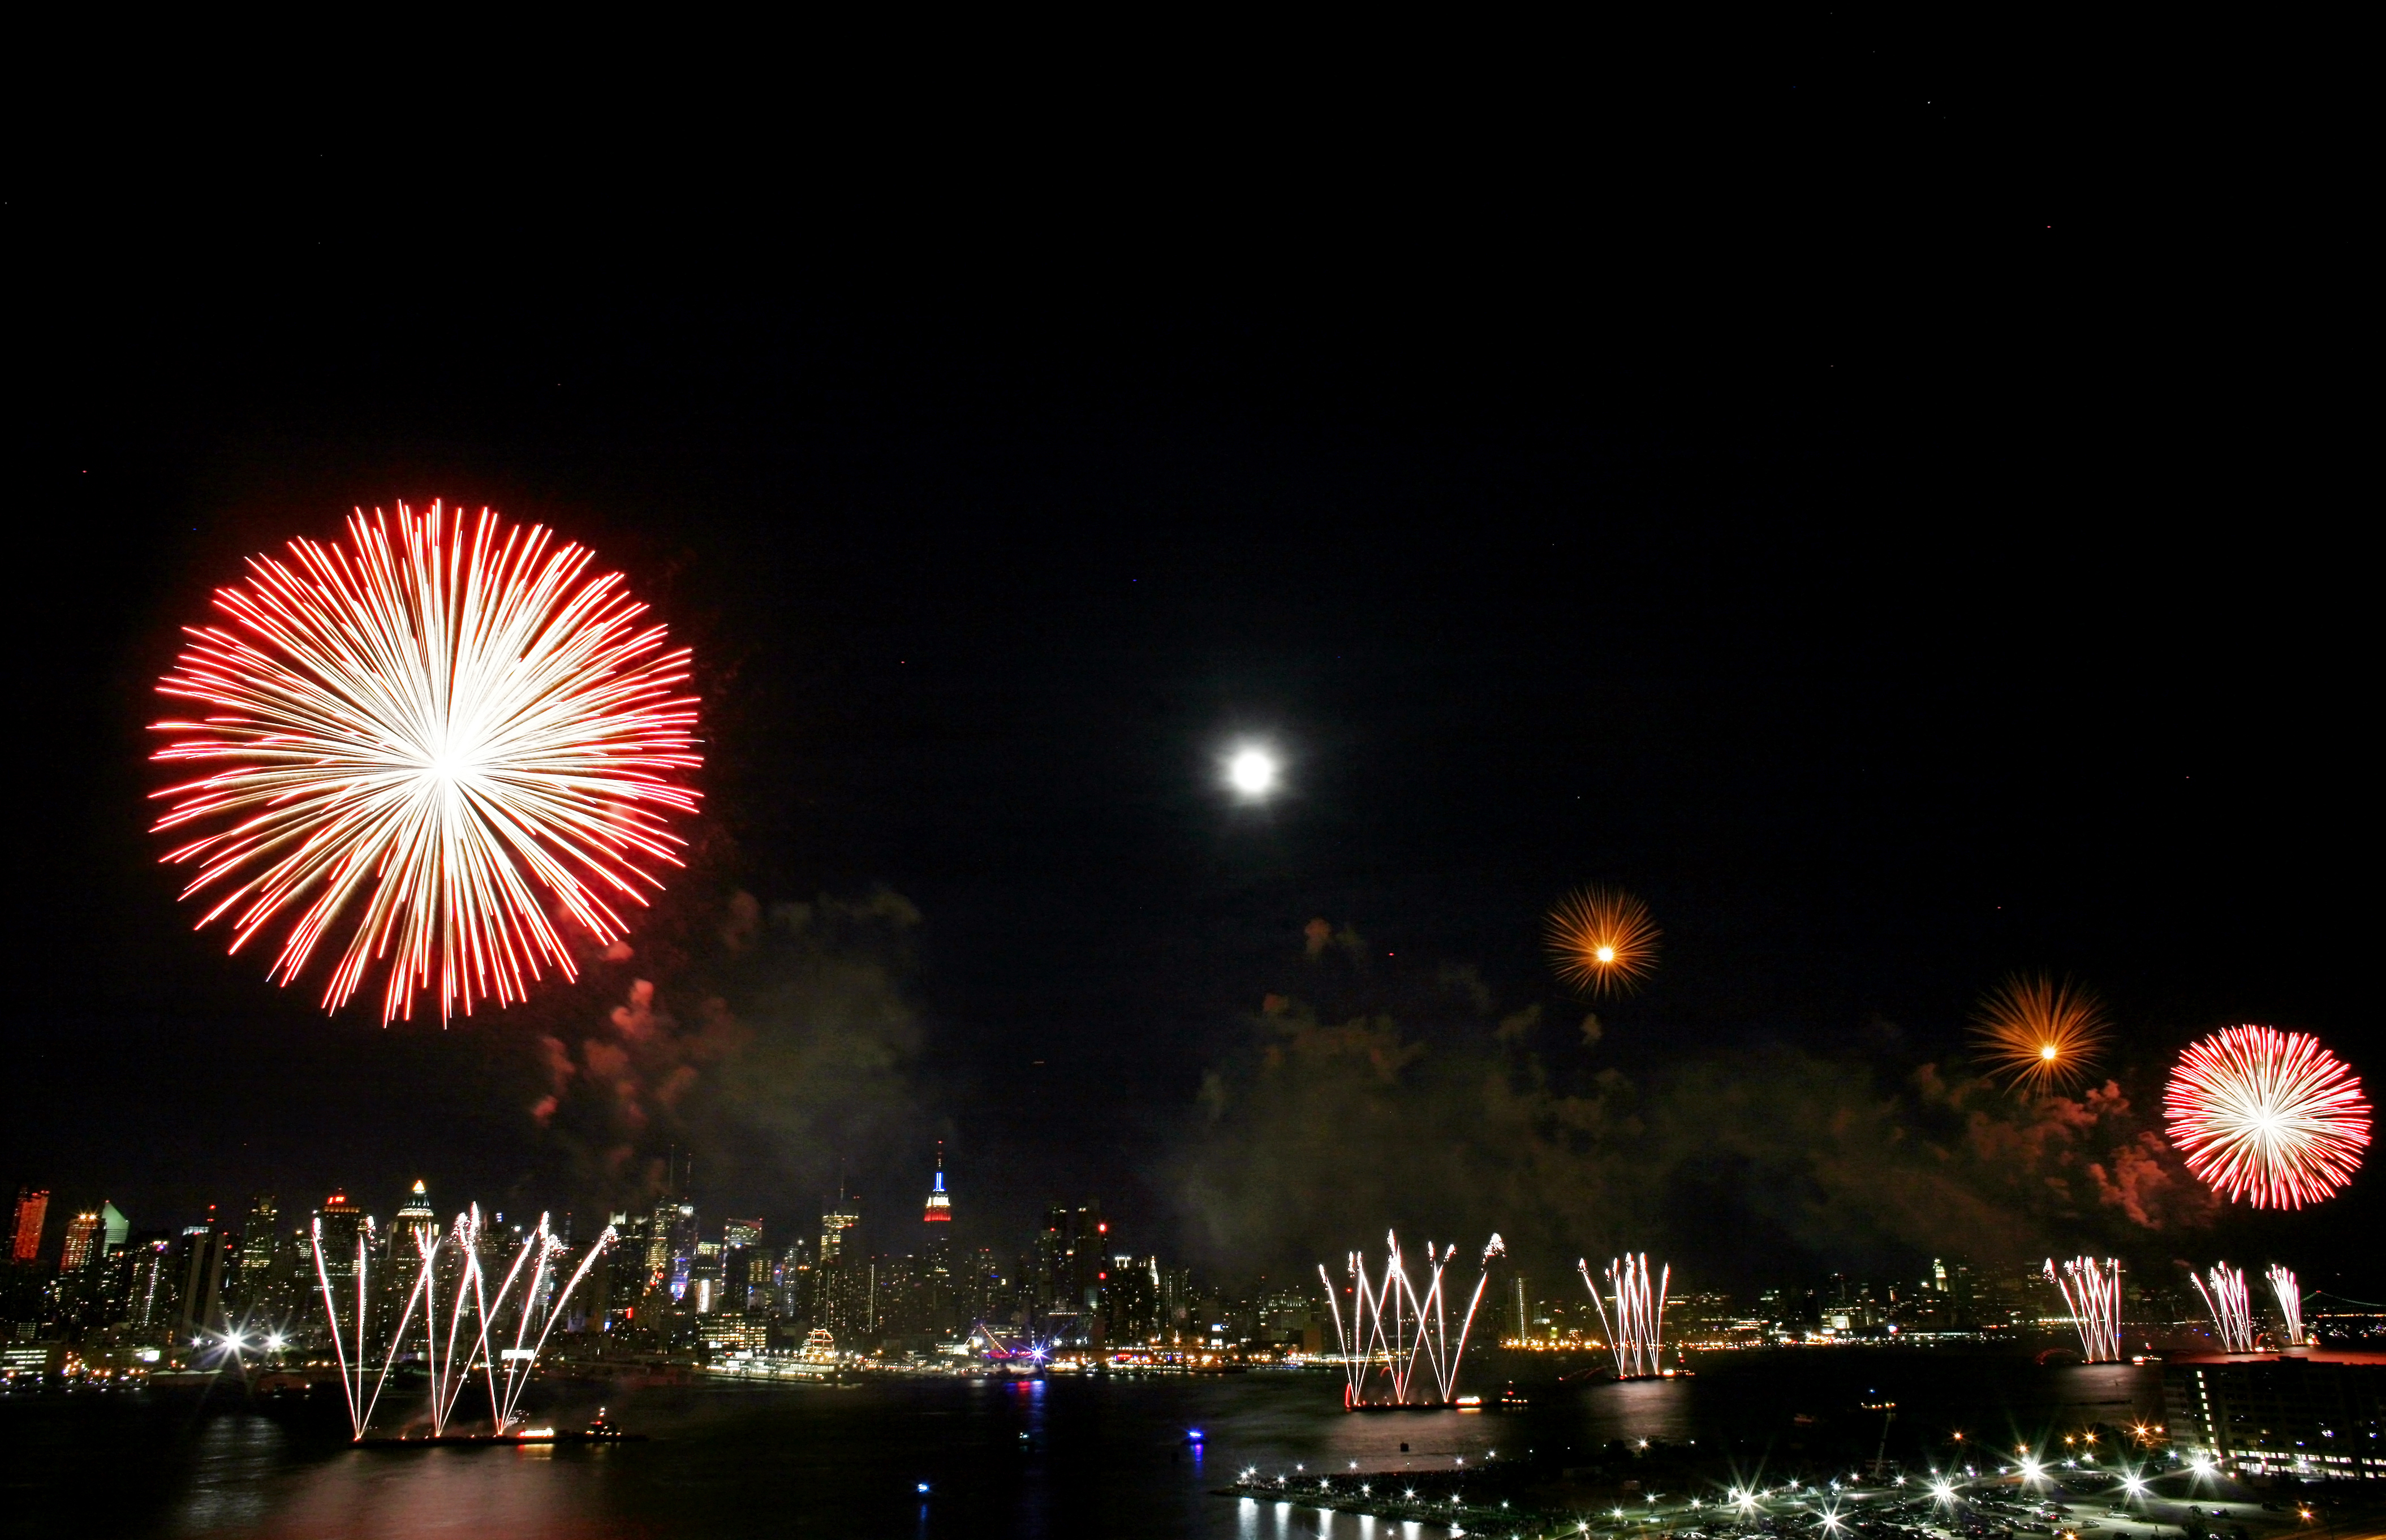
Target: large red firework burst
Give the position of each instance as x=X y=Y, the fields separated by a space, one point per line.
x=421 y=738
x=2267 y=1115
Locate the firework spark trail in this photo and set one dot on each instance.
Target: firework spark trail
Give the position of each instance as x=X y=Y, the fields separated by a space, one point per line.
x=2290 y=1303
x=2041 y=1032
x=448 y=1374
x=2232 y=1313
x=427 y=1250
x=2091 y=1291
x=1603 y=940
x=2267 y=1115
x=1636 y=1334
x=1394 y=1325
x=418 y=733
x=554 y=1313
x=352 y=1390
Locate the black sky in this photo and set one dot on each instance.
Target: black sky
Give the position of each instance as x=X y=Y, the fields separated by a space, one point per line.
x=1898 y=568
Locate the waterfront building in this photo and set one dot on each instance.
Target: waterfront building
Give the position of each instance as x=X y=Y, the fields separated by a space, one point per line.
x=733 y=1330
x=1071 y=1259
x=2315 y=1415
x=33 y=1208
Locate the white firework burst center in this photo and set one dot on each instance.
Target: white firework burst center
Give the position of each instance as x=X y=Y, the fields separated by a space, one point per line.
x=421 y=738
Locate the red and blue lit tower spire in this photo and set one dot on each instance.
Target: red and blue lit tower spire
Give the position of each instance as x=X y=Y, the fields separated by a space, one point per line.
x=940 y=1207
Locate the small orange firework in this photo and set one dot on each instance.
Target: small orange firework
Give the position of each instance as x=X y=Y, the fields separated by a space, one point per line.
x=1603 y=939
x=2042 y=1033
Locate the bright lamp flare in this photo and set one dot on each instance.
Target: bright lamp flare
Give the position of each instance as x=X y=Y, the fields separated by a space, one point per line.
x=2041 y=1032
x=2267 y=1115
x=422 y=738
x=1603 y=939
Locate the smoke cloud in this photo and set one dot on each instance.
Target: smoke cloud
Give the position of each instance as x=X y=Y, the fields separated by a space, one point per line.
x=776 y=1045
x=1437 y=1113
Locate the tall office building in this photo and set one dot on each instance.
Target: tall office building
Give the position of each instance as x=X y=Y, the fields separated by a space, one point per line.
x=939 y=1295
x=33 y=1208
x=1071 y=1259
x=340 y=1224
x=199 y=1267
x=83 y=1242
x=256 y=1239
x=844 y=1302
x=149 y=1296
x=415 y=1223
x=836 y=1225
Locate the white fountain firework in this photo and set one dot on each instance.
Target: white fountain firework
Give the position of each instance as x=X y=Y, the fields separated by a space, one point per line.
x=2091 y=1291
x=1395 y=1327
x=2232 y=1311
x=2290 y=1303
x=475 y=1319
x=1636 y=1331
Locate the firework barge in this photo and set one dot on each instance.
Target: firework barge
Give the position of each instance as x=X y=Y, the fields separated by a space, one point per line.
x=598 y=1431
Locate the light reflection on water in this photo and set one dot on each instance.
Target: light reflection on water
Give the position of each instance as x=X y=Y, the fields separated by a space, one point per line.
x=1002 y=1458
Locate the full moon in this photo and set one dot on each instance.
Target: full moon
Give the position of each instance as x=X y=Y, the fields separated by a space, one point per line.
x=1252 y=772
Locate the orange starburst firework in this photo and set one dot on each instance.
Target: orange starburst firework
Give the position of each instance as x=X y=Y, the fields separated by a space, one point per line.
x=1603 y=939
x=2042 y=1033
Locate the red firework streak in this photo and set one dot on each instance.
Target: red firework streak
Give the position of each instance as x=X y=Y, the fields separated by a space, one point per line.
x=2268 y=1116
x=419 y=738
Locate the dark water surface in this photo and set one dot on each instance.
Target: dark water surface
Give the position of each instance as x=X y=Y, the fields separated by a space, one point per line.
x=1002 y=1458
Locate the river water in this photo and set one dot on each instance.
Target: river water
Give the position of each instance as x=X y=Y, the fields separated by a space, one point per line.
x=1063 y=1457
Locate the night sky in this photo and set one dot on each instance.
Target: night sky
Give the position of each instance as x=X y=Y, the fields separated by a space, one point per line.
x=1897 y=584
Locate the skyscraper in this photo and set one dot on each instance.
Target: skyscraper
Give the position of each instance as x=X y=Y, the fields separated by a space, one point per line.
x=844 y=1304
x=417 y=1221
x=82 y=1241
x=939 y=1299
x=33 y=1208
x=256 y=1239
x=199 y=1267
x=834 y=1224
x=341 y=1224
